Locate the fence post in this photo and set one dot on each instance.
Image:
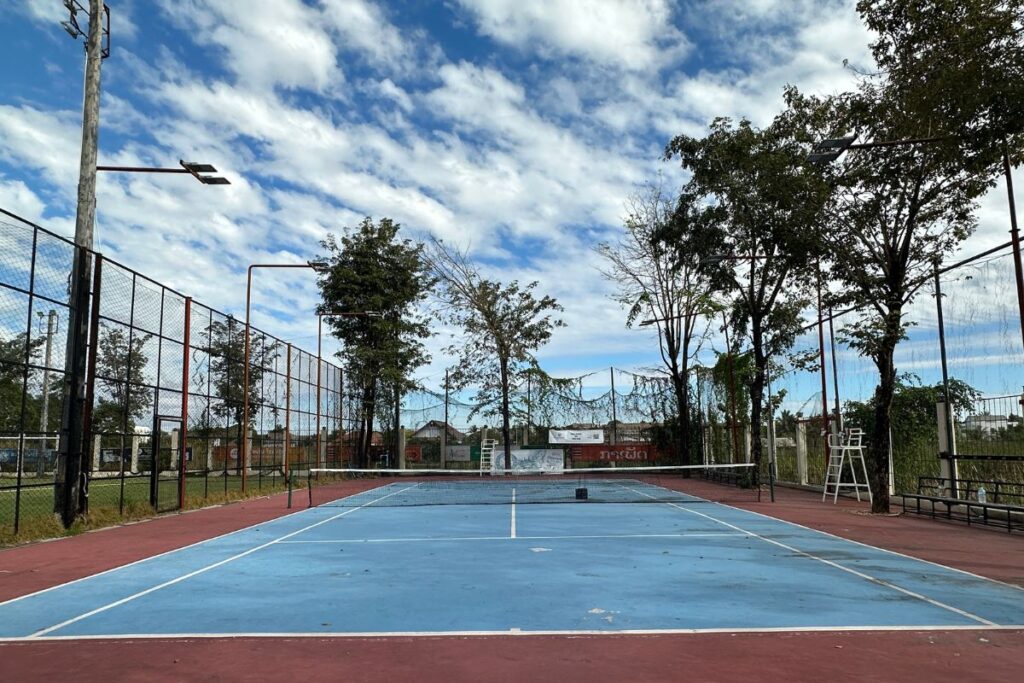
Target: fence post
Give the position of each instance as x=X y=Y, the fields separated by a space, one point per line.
x=135 y=454
x=947 y=445
x=287 y=411
x=186 y=343
x=401 y=447
x=801 y=452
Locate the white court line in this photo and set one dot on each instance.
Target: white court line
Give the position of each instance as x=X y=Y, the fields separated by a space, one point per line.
x=841 y=567
x=207 y=568
x=520 y=632
x=884 y=550
x=513 y=532
x=517 y=538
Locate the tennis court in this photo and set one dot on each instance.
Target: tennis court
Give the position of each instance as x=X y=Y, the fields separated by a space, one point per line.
x=419 y=557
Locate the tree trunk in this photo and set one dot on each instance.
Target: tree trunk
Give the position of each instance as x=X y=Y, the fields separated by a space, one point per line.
x=505 y=433
x=366 y=438
x=757 y=397
x=756 y=401
x=878 y=448
x=679 y=388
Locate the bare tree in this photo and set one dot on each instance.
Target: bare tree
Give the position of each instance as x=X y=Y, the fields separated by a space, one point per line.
x=655 y=281
x=503 y=325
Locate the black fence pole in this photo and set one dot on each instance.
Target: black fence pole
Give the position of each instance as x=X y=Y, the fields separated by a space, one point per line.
x=68 y=483
x=948 y=423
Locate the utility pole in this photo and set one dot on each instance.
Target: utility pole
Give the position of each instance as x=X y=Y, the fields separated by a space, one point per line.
x=44 y=417
x=70 y=488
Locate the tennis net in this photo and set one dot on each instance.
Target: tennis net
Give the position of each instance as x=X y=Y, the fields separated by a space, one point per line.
x=651 y=484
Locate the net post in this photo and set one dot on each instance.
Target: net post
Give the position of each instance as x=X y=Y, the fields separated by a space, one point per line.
x=288 y=481
x=309 y=486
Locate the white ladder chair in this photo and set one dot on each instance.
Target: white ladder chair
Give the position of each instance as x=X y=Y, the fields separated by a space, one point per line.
x=842 y=450
x=487 y=455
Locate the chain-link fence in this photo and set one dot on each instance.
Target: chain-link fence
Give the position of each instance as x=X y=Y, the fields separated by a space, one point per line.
x=165 y=392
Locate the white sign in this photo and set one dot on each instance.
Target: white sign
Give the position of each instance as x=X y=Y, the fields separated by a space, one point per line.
x=531 y=459
x=576 y=436
x=457 y=453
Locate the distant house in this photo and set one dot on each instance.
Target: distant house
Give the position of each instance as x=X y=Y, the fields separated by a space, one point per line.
x=986 y=424
x=353 y=436
x=434 y=429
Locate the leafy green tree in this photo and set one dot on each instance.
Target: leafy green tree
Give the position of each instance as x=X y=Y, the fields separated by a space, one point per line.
x=666 y=286
x=913 y=407
x=748 y=214
x=120 y=375
x=896 y=212
x=373 y=271
x=226 y=350
x=12 y=384
x=503 y=324
x=957 y=67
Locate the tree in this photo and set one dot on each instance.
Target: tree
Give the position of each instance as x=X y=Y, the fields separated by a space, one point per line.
x=121 y=376
x=958 y=68
x=748 y=214
x=373 y=271
x=654 y=280
x=896 y=213
x=503 y=324
x=12 y=384
x=226 y=350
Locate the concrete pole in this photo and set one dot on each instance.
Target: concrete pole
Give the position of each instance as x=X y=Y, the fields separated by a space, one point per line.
x=801 y=453
x=135 y=454
x=96 y=453
x=174 y=450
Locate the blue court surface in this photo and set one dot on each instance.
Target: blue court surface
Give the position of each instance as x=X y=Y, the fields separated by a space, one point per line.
x=577 y=567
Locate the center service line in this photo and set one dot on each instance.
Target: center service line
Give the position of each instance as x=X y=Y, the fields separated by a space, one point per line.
x=513 y=534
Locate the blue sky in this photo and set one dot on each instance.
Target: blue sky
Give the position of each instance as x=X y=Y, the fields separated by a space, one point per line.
x=516 y=128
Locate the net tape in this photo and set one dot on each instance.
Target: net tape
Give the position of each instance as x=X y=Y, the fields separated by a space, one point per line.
x=652 y=484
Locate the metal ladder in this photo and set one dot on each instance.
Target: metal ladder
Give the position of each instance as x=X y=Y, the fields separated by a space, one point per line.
x=841 y=451
x=486 y=455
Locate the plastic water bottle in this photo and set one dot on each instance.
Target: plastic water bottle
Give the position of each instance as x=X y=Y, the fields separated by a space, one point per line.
x=982 y=495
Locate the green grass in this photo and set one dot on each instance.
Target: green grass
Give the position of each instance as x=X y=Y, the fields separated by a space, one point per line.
x=108 y=505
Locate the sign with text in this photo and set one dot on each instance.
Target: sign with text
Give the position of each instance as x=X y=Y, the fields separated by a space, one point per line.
x=576 y=436
x=458 y=453
x=414 y=452
x=633 y=452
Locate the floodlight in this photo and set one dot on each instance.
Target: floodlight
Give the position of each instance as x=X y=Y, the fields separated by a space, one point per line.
x=195 y=167
x=71 y=28
x=214 y=180
x=827 y=151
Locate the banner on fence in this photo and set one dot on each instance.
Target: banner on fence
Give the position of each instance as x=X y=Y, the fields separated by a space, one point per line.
x=534 y=459
x=414 y=452
x=459 y=453
x=643 y=452
x=571 y=436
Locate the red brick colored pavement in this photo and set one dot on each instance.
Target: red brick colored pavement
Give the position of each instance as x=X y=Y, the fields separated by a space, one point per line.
x=862 y=656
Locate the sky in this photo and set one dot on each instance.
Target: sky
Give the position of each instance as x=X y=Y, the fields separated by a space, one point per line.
x=514 y=128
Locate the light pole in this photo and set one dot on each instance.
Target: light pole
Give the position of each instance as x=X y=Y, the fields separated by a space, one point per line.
x=195 y=169
x=243 y=446
x=70 y=484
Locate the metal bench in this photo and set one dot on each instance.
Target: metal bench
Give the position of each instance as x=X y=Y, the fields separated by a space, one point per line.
x=942 y=506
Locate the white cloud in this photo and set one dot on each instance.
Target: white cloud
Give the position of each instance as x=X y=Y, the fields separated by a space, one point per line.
x=16 y=197
x=632 y=34
x=268 y=44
